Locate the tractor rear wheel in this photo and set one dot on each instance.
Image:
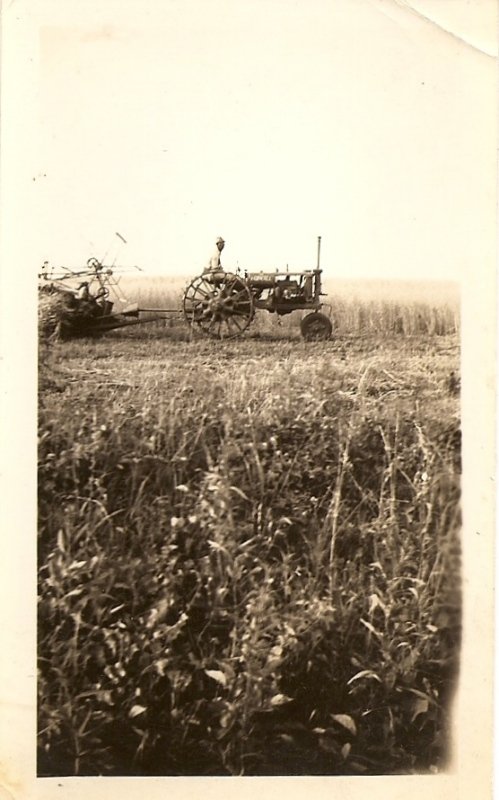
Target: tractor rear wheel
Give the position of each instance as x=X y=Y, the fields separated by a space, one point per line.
x=316 y=327
x=221 y=305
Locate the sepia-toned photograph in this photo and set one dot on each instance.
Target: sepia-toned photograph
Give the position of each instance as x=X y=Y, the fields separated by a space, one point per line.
x=255 y=227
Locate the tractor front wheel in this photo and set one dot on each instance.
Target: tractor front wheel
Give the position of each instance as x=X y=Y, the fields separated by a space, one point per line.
x=316 y=327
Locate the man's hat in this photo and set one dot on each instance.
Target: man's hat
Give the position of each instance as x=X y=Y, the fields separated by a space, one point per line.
x=220 y=240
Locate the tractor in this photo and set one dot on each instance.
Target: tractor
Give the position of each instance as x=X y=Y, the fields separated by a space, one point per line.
x=220 y=304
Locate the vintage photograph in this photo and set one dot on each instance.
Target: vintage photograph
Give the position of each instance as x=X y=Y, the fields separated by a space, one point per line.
x=254 y=226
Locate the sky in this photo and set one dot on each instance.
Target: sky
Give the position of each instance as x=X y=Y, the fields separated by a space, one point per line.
x=269 y=123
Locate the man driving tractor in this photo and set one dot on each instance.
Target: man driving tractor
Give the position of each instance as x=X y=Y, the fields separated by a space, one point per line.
x=214 y=264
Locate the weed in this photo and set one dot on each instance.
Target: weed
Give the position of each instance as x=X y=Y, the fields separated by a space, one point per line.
x=248 y=558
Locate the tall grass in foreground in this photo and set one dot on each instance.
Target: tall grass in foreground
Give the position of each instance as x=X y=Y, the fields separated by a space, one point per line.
x=248 y=568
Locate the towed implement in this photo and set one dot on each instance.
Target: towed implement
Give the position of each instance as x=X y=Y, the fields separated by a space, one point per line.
x=219 y=304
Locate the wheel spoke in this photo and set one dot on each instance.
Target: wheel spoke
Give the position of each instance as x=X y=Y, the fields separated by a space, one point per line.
x=195 y=307
x=226 y=331
x=206 y=285
x=196 y=301
x=223 y=310
x=198 y=289
x=230 y=332
x=240 y=293
x=241 y=312
x=230 y=284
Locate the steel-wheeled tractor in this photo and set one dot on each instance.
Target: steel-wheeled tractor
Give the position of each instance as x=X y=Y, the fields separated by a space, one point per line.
x=223 y=304
x=219 y=304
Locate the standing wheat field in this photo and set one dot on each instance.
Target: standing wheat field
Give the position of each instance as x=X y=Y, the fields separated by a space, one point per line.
x=249 y=550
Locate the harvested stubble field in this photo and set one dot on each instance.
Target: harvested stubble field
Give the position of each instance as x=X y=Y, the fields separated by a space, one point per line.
x=248 y=554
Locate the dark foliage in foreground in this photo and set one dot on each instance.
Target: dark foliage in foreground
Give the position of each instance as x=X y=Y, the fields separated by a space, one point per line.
x=235 y=580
